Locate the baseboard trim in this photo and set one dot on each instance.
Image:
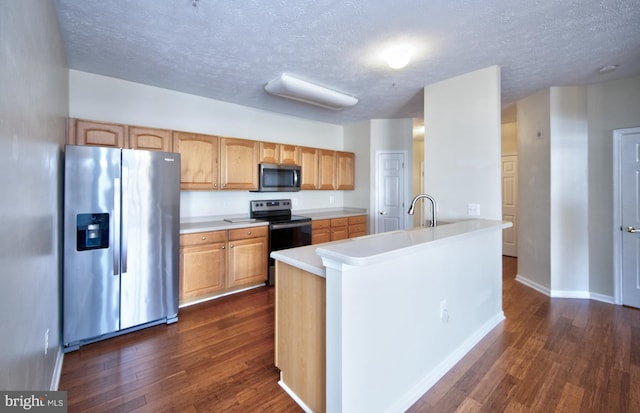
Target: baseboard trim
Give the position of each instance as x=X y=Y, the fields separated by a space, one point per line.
x=294 y=396
x=534 y=285
x=57 y=370
x=584 y=295
x=447 y=364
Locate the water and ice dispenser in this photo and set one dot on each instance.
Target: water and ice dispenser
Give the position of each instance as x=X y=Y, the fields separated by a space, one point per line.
x=92 y=231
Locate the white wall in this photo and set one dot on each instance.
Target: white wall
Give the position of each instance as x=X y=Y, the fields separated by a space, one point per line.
x=357 y=139
x=568 y=181
x=462 y=144
x=534 y=198
x=33 y=110
x=569 y=221
x=392 y=135
x=611 y=105
x=114 y=100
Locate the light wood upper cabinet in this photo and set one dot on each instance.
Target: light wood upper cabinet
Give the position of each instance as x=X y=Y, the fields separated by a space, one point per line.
x=345 y=172
x=289 y=154
x=149 y=139
x=309 y=166
x=326 y=169
x=279 y=153
x=239 y=164
x=269 y=152
x=198 y=160
x=87 y=132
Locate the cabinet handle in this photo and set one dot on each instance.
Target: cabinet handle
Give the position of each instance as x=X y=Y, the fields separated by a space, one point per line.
x=204 y=238
x=223 y=247
x=230 y=245
x=248 y=232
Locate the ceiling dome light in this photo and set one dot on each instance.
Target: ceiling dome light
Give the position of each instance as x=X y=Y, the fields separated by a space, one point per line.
x=398 y=57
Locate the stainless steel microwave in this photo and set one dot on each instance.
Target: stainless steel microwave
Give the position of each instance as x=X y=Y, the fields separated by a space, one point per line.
x=278 y=178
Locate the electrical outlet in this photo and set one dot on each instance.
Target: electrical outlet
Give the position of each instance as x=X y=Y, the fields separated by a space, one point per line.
x=295 y=201
x=331 y=199
x=444 y=312
x=46 y=341
x=473 y=210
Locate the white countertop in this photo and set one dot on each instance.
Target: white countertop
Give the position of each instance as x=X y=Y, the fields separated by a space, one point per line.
x=373 y=248
x=217 y=223
x=189 y=226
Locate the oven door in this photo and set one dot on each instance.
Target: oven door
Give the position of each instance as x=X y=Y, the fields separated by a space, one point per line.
x=287 y=235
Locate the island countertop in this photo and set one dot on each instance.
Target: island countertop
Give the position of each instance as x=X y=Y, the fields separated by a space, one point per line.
x=373 y=248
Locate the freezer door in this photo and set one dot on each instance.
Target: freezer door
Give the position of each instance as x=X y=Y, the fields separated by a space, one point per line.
x=91 y=282
x=150 y=236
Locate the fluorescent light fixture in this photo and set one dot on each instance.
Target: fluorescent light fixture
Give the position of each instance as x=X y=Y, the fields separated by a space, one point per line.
x=290 y=87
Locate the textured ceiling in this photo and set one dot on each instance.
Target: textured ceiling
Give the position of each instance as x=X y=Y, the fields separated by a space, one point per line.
x=228 y=50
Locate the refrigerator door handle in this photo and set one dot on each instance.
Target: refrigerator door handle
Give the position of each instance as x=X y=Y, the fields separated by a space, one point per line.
x=116 y=226
x=125 y=217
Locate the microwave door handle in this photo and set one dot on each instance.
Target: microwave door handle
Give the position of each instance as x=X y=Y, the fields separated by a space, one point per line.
x=296 y=176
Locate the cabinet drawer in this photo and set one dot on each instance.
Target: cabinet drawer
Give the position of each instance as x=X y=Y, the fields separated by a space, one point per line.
x=320 y=223
x=339 y=222
x=360 y=219
x=200 y=238
x=357 y=228
x=245 y=233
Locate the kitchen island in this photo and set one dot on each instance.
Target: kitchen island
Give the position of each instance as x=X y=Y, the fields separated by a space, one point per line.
x=371 y=323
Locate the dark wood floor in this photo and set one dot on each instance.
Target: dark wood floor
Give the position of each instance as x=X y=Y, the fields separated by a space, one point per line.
x=550 y=355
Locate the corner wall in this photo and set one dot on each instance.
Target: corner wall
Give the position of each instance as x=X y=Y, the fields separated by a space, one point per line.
x=33 y=109
x=534 y=192
x=462 y=144
x=611 y=105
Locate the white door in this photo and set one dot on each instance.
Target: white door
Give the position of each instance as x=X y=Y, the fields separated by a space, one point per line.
x=390 y=182
x=630 y=208
x=509 y=204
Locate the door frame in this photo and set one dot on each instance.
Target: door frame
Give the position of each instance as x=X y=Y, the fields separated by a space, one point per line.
x=406 y=185
x=617 y=212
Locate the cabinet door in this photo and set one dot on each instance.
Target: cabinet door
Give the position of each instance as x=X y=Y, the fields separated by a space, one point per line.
x=339 y=229
x=320 y=231
x=238 y=164
x=198 y=160
x=202 y=268
x=289 y=154
x=357 y=226
x=87 y=132
x=309 y=166
x=345 y=172
x=326 y=169
x=149 y=139
x=269 y=152
x=247 y=262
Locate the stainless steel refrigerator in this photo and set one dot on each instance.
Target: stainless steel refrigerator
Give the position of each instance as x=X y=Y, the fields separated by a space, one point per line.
x=121 y=238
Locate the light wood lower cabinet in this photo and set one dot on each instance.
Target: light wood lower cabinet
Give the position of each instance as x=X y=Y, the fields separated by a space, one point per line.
x=216 y=262
x=300 y=351
x=357 y=226
x=248 y=251
x=203 y=259
x=325 y=230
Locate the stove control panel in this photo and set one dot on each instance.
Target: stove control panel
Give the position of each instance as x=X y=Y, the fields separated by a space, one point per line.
x=271 y=205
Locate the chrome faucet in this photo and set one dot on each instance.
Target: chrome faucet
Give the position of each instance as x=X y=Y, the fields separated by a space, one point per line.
x=433 y=207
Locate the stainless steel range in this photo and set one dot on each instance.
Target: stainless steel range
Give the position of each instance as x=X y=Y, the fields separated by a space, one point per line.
x=285 y=230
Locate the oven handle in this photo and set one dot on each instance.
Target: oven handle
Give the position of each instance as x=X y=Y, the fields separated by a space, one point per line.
x=290 y=225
